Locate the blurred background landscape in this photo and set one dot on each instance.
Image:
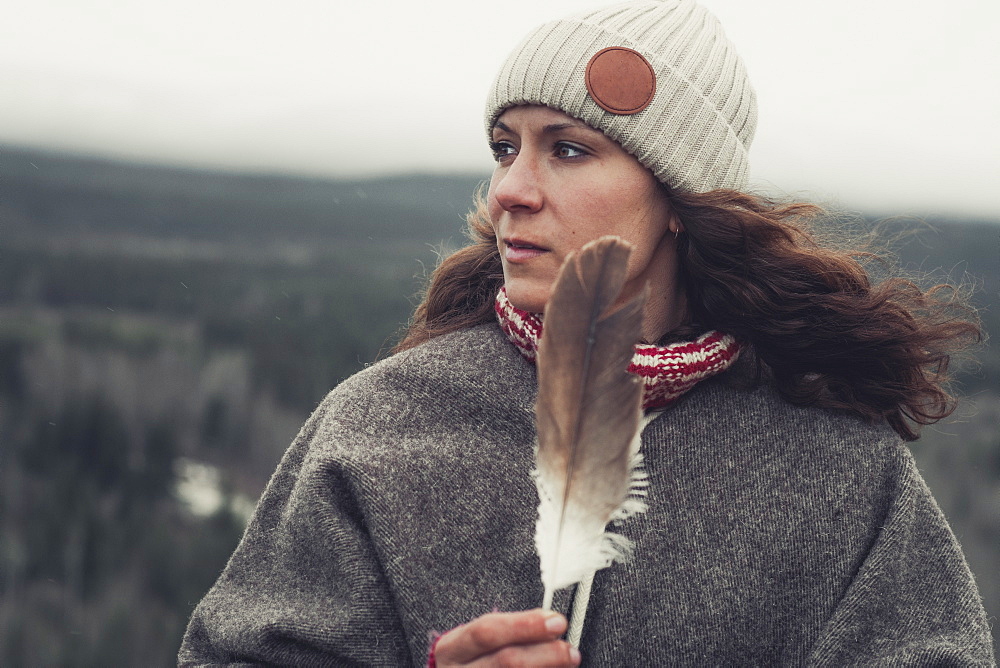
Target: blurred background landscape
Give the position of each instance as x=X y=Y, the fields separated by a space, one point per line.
x=165 y=332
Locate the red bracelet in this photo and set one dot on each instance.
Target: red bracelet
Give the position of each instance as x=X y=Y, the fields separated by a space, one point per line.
x=431 y=661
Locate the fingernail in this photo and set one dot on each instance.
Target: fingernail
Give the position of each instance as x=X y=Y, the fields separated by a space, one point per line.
x=574 y=656
x=555 y=624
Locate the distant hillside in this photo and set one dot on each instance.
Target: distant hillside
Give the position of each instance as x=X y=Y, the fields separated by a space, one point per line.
x=87 y=195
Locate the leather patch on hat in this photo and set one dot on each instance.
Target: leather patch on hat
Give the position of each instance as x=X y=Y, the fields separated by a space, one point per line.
x=620 y=80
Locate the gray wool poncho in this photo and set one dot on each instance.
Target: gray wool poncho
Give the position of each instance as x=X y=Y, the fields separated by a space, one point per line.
x=775 y=535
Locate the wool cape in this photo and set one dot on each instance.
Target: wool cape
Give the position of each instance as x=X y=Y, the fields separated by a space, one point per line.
x=775 y=535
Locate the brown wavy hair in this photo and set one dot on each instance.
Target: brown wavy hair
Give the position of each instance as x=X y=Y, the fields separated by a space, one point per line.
x=820 y=327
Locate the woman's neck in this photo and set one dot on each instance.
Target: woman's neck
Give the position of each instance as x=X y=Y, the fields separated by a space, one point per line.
x=665 y=311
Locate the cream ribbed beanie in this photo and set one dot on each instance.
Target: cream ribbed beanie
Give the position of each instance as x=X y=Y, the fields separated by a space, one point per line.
x=657 y=76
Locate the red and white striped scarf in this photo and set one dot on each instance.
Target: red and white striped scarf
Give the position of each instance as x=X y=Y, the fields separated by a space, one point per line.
x=667 y=372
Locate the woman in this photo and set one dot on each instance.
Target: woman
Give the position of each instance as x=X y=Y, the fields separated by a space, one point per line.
x=786 y=524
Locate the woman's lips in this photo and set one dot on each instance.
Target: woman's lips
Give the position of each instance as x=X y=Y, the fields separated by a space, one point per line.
x=521 y=251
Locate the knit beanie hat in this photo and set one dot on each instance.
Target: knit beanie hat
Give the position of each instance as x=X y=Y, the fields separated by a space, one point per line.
x=657 y=76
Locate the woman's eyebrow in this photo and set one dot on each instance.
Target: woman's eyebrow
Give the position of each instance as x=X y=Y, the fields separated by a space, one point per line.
x=549 y=129
x=556 y=127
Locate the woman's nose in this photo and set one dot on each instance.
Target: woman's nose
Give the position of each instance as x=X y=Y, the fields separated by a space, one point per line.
x=520 y=188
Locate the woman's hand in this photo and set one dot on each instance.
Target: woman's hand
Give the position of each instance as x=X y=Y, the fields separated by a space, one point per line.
x=529 y=638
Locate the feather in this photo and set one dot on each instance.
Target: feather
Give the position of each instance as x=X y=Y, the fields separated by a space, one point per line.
x=587 y=415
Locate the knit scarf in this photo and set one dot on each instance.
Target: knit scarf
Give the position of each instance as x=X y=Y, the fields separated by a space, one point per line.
x=667 y=372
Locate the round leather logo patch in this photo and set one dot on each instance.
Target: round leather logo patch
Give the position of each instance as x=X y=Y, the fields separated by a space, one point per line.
x=620 y=80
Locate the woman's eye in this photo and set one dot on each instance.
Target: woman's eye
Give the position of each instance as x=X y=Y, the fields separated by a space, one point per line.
x=564 y=150
x=502 y=149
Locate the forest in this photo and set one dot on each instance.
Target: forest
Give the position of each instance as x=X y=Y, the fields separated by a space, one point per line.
x=165 y=332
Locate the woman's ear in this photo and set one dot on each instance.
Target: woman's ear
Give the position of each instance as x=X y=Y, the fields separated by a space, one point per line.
x=674 y=224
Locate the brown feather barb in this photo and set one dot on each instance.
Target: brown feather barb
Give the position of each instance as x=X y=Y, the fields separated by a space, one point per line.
x=587 y=415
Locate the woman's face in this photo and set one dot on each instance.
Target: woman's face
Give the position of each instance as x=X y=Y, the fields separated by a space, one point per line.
x=557 y=185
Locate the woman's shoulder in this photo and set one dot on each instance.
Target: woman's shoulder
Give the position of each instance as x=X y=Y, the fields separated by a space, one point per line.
x=452 y=383
x=753 y=422
x=477 y=356
x=785 y=464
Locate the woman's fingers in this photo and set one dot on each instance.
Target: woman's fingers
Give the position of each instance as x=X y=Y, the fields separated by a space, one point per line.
x=508 y=638
x=551 y=654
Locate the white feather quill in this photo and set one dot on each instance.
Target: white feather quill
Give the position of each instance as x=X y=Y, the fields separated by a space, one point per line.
x=587 y=416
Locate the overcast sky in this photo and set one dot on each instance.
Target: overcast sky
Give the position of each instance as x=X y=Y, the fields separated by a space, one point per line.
x=891 y=105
